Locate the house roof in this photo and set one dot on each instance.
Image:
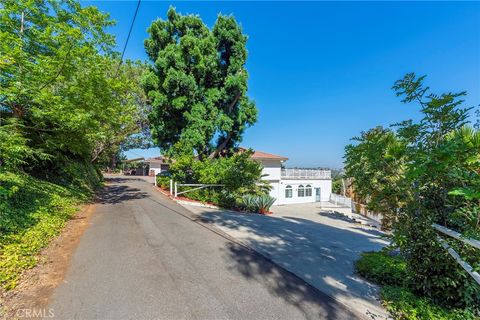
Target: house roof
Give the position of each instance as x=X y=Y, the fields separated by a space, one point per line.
x=257 y=155
x=260 y=155
x=134 y=160
x=156 y=160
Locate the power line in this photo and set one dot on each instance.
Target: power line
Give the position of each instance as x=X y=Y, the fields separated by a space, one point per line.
x=128 y=37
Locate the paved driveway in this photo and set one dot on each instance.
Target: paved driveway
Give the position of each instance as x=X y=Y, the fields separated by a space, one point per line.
x=318 y=246
x=144 y=257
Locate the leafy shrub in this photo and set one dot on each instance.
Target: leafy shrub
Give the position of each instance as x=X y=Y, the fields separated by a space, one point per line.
x=238 y=174
x=163 y=182
x=399 y=300
x=382 y=268
x=403 y=304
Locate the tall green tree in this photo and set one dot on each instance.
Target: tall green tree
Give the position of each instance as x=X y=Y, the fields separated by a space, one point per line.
x=377 y=163
x=197 y=85
x=62 y=88
x=422 y=173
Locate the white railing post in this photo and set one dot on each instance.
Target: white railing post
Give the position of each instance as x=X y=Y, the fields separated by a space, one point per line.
x=456 y=235
x=171 y=187
x=175 y=189
x=155 y=179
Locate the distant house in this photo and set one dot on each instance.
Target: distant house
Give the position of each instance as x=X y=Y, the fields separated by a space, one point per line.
x=288 y=185
x=157 y=165
x=294 y=185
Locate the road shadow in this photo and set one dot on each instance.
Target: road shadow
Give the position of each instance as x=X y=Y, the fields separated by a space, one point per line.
x=113 y=194
x=320 y=254
x=337 y=216
x=122 y=179
x=313 y=303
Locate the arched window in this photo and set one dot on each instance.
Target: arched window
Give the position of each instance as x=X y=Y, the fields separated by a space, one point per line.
x=301 y=191
x=308 y=190
x=288 y=192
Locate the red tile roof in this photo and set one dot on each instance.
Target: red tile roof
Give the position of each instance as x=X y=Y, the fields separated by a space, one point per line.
x=260 y=155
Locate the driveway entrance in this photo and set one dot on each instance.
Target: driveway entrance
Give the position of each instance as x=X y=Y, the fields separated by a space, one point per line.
x=313 y=243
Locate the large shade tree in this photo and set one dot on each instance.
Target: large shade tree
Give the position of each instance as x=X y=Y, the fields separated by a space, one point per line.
x=197 y=85
x=63 y=93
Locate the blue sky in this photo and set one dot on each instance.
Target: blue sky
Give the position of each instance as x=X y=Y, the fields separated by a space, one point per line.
x=321 y=72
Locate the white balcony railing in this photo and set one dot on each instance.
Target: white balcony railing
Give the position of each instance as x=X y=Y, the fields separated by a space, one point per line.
x=306 y=174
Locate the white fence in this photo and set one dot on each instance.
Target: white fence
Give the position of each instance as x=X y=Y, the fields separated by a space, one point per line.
x=196 y=185
x=340 y=200
x=306 y=174
x=473 y=242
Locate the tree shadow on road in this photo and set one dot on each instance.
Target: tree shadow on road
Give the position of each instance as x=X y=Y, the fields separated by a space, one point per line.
x=113 y=194
x=318 y=253
x=313 y=303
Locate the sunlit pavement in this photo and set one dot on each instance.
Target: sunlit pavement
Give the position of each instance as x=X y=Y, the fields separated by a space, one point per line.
x=313 y=243
x=143 y=257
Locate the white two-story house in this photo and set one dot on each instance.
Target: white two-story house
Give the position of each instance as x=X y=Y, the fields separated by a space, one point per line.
x=288 y=185
x=294 y=185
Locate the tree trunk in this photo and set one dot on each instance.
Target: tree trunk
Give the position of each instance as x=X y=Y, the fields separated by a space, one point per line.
x=220 y=147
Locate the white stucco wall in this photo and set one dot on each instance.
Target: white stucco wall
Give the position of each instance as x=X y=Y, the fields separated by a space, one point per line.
x=155 y=167
x=158 y=167
x=275 y=191
x=325 y=187
x=272 y=170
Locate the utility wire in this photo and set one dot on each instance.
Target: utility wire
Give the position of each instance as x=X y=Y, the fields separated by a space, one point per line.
x=128 y=37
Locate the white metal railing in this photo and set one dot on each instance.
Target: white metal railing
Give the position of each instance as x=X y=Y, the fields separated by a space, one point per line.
x=197 y=186
x=340 y=200
x=473 y=242
x=306 y=174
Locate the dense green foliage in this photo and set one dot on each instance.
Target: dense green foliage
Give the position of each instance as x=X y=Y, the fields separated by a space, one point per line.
x=419 y=173
x=66 y=106
x=62 y=95
x=33 y=211
x=197 y=85
x=399 y=300
x=382 y=268
x=403 y=304
x=238 y=173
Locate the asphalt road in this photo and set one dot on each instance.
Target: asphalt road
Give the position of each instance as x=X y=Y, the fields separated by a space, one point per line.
x=143 y=257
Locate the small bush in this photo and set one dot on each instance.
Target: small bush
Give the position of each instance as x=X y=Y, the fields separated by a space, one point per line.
x=248 y=203
x=404 y=305
x=260 y=204
x=382 y=268
x=163 y=182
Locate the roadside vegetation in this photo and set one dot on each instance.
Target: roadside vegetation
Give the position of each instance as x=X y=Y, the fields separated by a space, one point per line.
x=32 y=212
x=67 y=108
x=197 y=86
x=391 y=272
x=417 y=174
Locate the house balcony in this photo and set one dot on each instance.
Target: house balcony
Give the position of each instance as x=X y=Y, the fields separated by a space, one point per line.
x=306 y=174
